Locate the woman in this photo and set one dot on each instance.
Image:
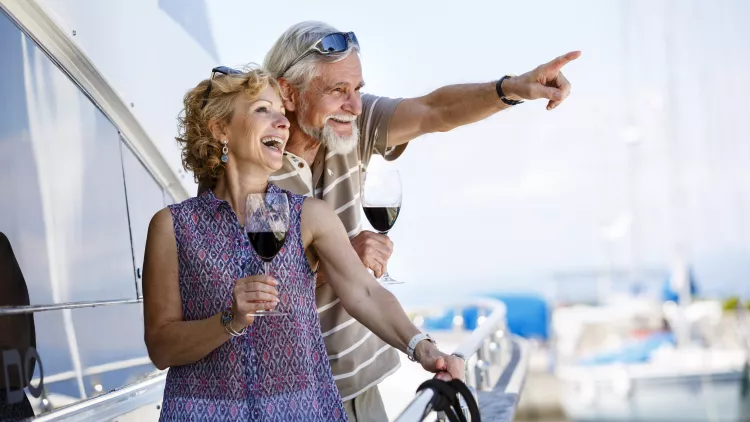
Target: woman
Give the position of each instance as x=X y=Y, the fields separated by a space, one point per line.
x=200 y=283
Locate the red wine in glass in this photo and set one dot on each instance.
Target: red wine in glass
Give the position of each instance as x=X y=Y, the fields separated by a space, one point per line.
x=381 y=200
x=266 y=225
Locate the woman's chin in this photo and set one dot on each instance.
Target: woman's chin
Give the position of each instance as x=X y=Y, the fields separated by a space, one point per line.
x=268 y=163
x=274 y=164
x=273 y=156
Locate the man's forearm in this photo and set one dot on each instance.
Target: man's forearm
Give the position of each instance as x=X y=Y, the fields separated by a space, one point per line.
x=458 y=105
x=444 y=109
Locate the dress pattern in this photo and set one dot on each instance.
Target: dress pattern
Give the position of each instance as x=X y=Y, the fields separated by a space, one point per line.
x=277 y=371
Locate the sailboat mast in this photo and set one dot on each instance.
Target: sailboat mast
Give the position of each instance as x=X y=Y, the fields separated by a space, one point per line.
x=632 y=137
x=676 y=190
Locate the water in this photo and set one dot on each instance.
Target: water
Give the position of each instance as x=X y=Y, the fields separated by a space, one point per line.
x=415 y=293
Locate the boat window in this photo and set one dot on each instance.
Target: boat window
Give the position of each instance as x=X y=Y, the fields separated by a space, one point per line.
x=145 y=198
x=64 y=238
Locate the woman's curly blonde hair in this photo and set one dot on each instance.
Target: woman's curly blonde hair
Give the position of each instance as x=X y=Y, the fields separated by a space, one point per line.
x=201 y=152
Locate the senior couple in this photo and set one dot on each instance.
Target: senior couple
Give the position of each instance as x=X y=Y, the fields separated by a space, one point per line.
x=300 y=127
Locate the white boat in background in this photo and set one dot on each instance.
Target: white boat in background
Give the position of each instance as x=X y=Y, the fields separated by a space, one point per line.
x=645 y=360
x=674 y=385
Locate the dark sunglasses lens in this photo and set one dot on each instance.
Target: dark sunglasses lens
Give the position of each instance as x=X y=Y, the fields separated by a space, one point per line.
x=334 y=43
x=224 y=71
x=353 y=38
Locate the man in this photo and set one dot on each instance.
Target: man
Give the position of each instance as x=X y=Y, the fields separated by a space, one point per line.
x=334 y=132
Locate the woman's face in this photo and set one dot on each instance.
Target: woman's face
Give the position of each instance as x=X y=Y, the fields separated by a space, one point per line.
x=258 y=131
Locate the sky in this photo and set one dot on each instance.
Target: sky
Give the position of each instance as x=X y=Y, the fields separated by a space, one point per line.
x=649 y=151
x=525 y=193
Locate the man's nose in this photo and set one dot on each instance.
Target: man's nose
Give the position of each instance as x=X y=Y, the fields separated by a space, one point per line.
x=353 y=104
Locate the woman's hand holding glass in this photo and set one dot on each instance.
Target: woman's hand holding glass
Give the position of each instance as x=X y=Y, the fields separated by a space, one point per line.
x=252 y=294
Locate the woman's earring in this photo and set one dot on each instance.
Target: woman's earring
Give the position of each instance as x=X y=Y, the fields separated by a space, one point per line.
x=224 y=152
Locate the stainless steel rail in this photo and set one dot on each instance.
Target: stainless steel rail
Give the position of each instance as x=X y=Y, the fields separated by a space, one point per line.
x=494 y=359
x=118 y=402
x=29 y=309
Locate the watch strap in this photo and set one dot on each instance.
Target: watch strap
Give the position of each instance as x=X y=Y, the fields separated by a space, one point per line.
x=501 y=94
x=413 y=344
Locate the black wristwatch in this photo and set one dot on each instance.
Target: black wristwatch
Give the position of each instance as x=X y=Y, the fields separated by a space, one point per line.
x=503 y=98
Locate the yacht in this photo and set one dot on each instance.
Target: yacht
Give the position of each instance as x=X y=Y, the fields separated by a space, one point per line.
x=86 y=158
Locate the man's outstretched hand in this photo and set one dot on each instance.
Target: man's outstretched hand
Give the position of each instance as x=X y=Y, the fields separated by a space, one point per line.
x=546 y=81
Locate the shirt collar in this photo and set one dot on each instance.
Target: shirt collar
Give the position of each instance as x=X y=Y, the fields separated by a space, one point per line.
x=211 y=199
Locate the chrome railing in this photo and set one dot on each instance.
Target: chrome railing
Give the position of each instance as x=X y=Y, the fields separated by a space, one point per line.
x=32 y=309
x=128 y=400
x=496 y=363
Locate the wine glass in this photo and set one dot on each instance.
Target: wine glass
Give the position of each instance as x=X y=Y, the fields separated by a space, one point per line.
x=266 y=225
x=381 y=200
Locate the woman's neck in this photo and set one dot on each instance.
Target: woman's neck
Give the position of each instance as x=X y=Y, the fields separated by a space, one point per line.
x=234 y=189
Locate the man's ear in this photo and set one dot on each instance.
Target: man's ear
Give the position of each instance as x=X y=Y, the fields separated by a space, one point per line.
x=289 y=95
x=217 y=130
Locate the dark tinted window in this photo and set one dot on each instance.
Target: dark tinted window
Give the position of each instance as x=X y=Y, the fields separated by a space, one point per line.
x=65 y=236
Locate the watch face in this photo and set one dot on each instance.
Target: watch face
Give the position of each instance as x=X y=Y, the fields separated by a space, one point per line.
x=226 y=317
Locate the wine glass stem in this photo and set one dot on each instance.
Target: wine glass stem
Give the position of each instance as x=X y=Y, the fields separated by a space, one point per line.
x=267 y=268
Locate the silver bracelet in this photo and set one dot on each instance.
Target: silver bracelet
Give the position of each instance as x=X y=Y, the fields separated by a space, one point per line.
x=226 y=320
x=234 y=333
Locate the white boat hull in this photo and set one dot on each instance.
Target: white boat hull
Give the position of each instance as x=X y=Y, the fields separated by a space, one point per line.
x=698 y=397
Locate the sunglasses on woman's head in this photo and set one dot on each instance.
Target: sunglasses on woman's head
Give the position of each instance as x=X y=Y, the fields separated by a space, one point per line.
x=224 y=71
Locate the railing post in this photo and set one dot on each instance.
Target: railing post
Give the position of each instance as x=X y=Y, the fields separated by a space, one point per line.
x=469 y=372
x=482 y=367
x=486 y=350
x=458 y=322
x=495 y=348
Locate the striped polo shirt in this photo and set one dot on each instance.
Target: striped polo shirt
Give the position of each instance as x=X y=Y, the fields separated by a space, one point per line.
x=359 y=359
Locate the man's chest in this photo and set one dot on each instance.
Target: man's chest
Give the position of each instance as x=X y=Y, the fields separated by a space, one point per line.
x=335 y=178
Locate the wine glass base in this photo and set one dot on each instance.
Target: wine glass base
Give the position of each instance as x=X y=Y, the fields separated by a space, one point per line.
x=386 y=279
x=390 y=282
x=267 y=313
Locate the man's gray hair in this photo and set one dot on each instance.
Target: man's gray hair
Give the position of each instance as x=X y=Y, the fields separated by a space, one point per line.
x=294 y=42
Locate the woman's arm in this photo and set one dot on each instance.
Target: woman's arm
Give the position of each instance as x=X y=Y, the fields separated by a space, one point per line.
x=361 y=295
x=170 y=340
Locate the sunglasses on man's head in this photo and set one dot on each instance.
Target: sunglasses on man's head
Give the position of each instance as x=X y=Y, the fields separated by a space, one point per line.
x=224 y=71
x=338 y=42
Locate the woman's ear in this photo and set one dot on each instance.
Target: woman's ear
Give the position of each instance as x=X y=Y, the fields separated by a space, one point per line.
x=289 y=95
x=217 y=130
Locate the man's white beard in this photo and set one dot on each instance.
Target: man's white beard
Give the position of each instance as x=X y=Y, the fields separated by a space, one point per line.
x=332 y=140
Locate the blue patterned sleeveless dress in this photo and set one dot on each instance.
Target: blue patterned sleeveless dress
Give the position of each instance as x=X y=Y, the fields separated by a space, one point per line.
x=279 y=370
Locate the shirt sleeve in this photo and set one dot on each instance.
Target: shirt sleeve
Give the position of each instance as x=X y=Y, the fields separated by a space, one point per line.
x=373 y=124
